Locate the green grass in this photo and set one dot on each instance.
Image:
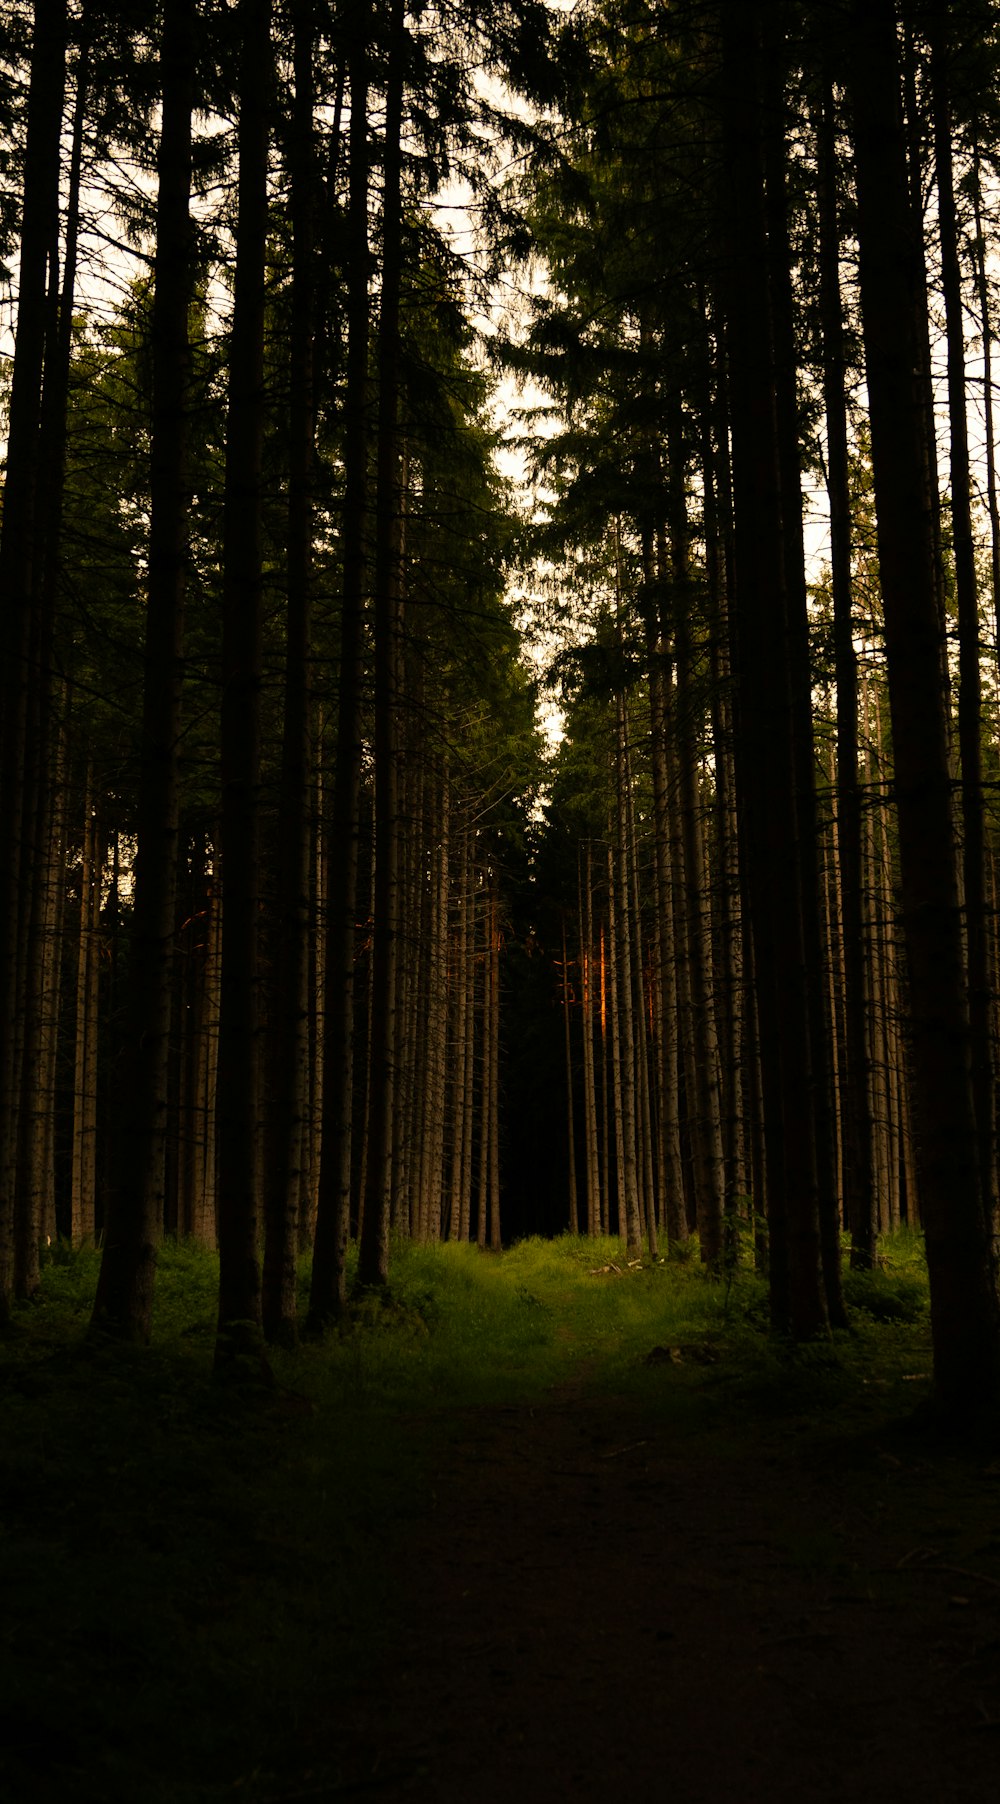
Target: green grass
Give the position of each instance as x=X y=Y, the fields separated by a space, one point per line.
x=188 y=1574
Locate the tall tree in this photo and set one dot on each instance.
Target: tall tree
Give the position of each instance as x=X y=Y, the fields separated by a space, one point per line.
x=855 y=1107
x=373 y=1261
x=289 y=1048
x=965 y=1315
x=327 y=1291
x=768 y=769
x=124 y=1302
x=969 y=674
x=238 y=1111
x=39 y=241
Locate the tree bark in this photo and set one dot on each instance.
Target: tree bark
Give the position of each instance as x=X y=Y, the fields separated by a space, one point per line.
x=965 y=1319
x=238 y=1102
x=124 y=1303
x=18 y=543
x=373 y=1256
x=83 y=1175
x=585 y=881
x=290 y=1002
x=671 y=1174
x=704 y=1106
x=859 y=1182
x=327 y=1295
x=494 y=1087
x=969 y=673
x=574 y=1217
x=767 y=702
x=789 y=469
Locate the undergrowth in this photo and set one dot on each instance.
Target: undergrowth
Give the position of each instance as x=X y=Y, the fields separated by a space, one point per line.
x=187 y=1575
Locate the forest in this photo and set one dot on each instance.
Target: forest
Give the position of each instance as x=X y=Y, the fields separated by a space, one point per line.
x=500 y=779
x=307 y=935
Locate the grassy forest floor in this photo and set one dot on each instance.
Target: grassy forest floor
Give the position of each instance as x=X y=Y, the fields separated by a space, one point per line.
x=535 y=1529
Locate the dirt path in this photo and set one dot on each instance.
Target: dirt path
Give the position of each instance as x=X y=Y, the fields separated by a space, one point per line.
x=595 y=1609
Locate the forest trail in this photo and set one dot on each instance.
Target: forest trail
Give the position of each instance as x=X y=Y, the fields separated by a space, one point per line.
x=602 y=1605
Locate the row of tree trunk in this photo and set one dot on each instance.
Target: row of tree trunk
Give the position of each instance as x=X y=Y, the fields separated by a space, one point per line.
x=635 y=1046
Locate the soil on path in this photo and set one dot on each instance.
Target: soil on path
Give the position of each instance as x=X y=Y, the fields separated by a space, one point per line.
x=598 y=1607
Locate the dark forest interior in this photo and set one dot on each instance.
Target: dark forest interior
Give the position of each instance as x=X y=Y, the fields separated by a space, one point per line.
x=500 y=686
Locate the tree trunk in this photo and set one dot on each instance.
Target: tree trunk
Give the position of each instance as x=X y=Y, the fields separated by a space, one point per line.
x=574 y=1217
x=290 y=1001
x=124 y=1302
x=586 y=928
x=43 y=743
x=485 y=1075
x=18 y=543
x=327 y=1295
x=644 y=1100
x=969 y=674
x=373 y=1258
x=704 y=1105
x=782 y=305
x=859 y=1181
x=461 y=1036
x=238 y=1110
x=607 y=1098
x=83 y=1177
x=494 y=1088
x=726 y=965
x=43 y=1161
x=671 y=1175
x=469 y=1054
x=986 y=329
x=769 y=772
x=965 y=1320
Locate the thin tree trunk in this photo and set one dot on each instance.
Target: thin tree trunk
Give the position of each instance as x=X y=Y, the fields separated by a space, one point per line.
x=585 y=912
x=859 y=1183
x=124 y=1303
x=606 y=1099
x=683 y=1037
x=876 y=1017
x=485 y=1078
x=84 y=1153
x=327 y=1295
x=671 y=1175
x=704 y=1104
x=726 y=962
x=460 y=1032
x=409 y=1112
x=238 y=1107
x=986 y=326
x=618 y=1078
x=18 y=543
x=969 y=675
x=373 y=1257
x=317 y=999
x=782 y=301
x=43 y=744
x=641 y=1032
x=574 y=1216
x=206 y=1217
x=469 y=1054
x=290 y=1003
x=435 y=1040
x=43 y=1165
x=494 y=1029
x=834 y=978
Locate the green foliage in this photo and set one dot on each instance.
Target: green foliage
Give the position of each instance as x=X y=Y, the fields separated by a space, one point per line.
x=896 y=1289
